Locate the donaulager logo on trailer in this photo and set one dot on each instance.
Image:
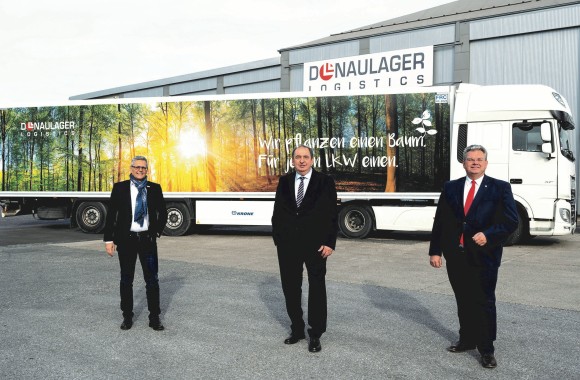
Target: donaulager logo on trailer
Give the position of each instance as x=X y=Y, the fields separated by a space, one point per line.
x=48 y=128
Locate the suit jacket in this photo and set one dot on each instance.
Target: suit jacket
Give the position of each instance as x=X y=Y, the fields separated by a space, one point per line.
x=492 y=212
x=315 y=222
x=120 y=214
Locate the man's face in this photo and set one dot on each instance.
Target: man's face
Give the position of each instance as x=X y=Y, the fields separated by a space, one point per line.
x=139 y=169
x=475 y=164
x=302 y=160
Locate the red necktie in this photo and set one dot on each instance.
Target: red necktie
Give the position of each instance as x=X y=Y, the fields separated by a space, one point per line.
x=468 y=202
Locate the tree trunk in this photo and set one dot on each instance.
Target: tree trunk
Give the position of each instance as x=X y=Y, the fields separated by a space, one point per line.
x=120 y=142
x=391 y=121
x=324 y=167
x=209 y=144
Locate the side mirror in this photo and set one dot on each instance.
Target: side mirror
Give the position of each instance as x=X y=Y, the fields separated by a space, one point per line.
x=547 y=148
x=546 y=132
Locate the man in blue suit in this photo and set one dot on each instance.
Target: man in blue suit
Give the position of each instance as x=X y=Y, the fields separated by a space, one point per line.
x=474 y=217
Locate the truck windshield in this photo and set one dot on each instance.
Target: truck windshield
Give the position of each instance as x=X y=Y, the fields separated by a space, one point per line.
x=566 y=142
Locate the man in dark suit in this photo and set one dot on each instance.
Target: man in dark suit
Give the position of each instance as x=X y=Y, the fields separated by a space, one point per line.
x=304 y=228
x=474 y=217
x=135 y=219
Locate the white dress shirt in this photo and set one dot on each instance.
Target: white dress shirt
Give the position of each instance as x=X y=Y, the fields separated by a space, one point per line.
x=306 y=181
x=468 y=186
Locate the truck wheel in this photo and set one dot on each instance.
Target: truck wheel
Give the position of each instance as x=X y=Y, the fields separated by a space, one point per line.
x=178 y=219
x=522 y=232
x=355 y=221
x=91 y=216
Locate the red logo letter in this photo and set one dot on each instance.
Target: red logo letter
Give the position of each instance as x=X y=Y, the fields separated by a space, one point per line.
x=326 y=71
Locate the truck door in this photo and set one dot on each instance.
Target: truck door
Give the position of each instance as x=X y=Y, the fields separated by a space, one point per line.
x=532 y=174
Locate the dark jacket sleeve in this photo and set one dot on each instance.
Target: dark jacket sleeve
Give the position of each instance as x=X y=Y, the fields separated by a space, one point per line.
x=112 y=214
x=443 y=216
x=276 y=214
x=505 y=220
x=332 y=218
x=160 y=210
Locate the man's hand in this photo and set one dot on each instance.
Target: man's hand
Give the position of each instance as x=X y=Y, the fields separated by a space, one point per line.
x=110 y=247
x=435 y=261
x=325 y=251
x=480 y=239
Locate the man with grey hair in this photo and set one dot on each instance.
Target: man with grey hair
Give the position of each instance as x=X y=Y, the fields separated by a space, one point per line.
x=136 y=217
x=474 y=217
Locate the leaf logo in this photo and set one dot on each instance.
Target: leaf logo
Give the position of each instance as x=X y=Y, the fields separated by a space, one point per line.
x=425 y=122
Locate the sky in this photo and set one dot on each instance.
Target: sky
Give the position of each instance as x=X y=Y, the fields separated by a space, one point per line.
x=51 y=50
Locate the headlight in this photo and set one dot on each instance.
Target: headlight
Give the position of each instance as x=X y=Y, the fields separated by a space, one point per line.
x=565 y=215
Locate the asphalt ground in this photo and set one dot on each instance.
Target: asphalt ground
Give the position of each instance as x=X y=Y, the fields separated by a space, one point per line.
x=391 y=315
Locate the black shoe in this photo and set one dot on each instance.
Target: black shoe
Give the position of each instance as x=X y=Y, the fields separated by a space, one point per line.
x=156 y=325
x=314 y=345
x=460 y=347
x=127 y=324
x=292 y=339
x=488 y=361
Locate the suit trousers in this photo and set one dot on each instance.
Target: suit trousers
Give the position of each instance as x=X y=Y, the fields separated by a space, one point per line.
x=292 y=259
x=474 y=288
x=146 y=248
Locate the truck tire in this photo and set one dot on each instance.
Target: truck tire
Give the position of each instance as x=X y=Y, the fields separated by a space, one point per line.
x=355 y=221
x=91 y=216
x=178 y=219
x=522 y=232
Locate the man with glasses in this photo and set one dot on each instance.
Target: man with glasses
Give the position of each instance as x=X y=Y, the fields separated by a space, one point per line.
x=474 y=217
x=136 y=217
x=304 y=228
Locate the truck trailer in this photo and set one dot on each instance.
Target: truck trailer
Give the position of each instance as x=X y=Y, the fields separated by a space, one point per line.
x=218 y=158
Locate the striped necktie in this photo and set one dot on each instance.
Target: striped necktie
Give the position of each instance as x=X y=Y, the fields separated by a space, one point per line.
x=300 y=195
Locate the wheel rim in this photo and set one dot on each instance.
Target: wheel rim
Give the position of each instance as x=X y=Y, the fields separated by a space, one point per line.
x=174 y=218
x=354 y=221
x=91 y=216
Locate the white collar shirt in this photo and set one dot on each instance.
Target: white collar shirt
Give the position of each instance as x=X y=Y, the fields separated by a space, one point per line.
x=306 y=181
x=467 y=186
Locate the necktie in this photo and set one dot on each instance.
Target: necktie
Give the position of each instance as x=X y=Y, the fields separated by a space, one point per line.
x=300 y=194
x=468 y=202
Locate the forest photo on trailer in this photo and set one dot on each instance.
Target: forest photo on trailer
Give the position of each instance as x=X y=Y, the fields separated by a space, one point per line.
x=370 y=143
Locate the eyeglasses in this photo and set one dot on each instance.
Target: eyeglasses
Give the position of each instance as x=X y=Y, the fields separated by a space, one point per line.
x=139 y=167
x=475 y=159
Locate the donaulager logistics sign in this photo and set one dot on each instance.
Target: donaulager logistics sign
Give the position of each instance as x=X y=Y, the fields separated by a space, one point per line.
x=388 y=70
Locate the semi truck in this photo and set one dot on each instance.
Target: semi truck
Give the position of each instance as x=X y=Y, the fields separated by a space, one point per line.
x=218 y=158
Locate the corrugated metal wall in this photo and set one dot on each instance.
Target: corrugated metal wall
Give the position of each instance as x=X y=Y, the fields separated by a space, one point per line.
x=270 y=86
x=550 y=58
x=414 y=38
x=319 y=53
x=441 y=37
x=198 y=86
